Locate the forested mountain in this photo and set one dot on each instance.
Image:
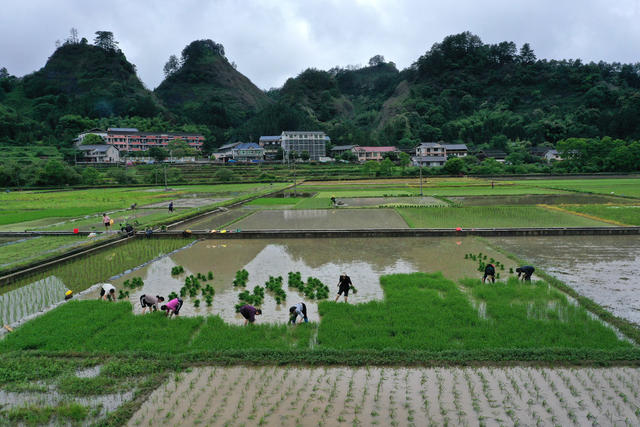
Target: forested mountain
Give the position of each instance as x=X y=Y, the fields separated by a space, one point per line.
x=461 y=90
x=79 y=82
x=203 y=87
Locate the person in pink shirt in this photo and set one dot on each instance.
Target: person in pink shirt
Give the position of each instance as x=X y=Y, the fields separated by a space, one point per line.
x=106 y=221
x=172 y=307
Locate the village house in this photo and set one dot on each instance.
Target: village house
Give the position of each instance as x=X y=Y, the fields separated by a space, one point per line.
x=99 y=154
x=432 y=154
x=247 y=152
x=372 y=153
x=130 y=139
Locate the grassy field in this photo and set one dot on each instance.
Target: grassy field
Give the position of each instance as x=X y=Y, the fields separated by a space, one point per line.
x=629 y=215
x=20 y=206
x=629 y=187
x=275 y=201
x=492 y=217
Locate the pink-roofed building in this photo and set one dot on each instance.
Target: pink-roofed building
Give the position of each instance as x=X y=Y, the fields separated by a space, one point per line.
x=372 y=153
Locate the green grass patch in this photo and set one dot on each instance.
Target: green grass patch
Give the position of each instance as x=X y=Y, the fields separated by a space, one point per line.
x=38 y=248
x=492 y=217
x=625 y=214
x=40 y=415
x=428 y=312
x=274 y=201
x=629 y=187
x=314 y=203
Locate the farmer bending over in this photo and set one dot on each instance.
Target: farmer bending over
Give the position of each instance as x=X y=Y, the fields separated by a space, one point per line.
x=172 y=307
x=249 y=313
x=344 y=284
x=300 y=309
x=490 y=272
x=526 y=271
x=150 y=301
x=108 y=292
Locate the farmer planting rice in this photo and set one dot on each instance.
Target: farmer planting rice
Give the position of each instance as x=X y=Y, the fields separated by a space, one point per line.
x=526 y=271
x=172 y=307
x=300 y=309
x=249 y=313
x=150 y=301
x=344 y=284
x=490 y=272
x=108 y=292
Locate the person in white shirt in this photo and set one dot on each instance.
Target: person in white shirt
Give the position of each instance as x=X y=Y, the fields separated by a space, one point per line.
x=108 y=292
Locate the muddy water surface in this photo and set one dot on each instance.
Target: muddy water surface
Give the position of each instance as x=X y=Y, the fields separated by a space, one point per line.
x=322 y=219
x=603 y=268
x=364 y=259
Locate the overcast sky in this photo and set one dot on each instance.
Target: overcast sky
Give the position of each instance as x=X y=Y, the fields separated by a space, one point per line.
x=271 y=40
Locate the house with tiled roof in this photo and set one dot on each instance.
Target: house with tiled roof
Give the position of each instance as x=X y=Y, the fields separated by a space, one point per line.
x=99 y=153
x=372 y=153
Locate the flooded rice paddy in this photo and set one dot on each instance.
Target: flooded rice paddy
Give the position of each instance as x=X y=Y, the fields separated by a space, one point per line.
x=363 y=259
x=396 y=396
x=188 y=202
x=30 y=299
x=322 y=219
x=602 y=268
x=215 y=220
x=381 y=201
x=536 y=199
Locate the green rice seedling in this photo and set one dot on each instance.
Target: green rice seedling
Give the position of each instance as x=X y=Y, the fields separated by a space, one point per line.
x=241 y=279
x=196 y=303
x=274 y=285
x=123 y=294
x=245 y=297
x=210 y=275
x=177 y=270
x=172 y=295
x=295 y=281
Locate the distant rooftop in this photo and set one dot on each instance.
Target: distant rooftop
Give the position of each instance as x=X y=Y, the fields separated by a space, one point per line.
x=122 y=130
x=376 y=149
x=270 y=138
x=101 y=148
x=247 y=146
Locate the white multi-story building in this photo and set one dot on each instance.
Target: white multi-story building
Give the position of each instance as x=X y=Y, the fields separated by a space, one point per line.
x=298 y=142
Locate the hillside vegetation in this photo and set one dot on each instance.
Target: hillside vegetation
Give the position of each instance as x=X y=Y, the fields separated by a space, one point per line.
x=489 y=96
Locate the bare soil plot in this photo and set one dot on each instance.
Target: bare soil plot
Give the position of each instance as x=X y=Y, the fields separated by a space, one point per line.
x=396 y=396
x=322 y=219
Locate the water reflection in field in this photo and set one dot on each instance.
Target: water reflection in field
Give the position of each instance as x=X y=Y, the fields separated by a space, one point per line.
x=603 y=268
x=364 y=259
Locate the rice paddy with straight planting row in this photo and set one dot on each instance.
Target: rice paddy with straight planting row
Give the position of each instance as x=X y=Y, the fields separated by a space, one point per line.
x=37 y=248
x=277 y=396
x=629 y=215
x=492 y=217
x=80 y=273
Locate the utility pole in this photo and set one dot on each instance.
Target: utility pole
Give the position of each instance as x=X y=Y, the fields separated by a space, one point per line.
x=165 y=177
x=421 y=180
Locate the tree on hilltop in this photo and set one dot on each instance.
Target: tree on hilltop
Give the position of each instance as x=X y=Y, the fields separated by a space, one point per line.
x=171 y=66
x=105 y=40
